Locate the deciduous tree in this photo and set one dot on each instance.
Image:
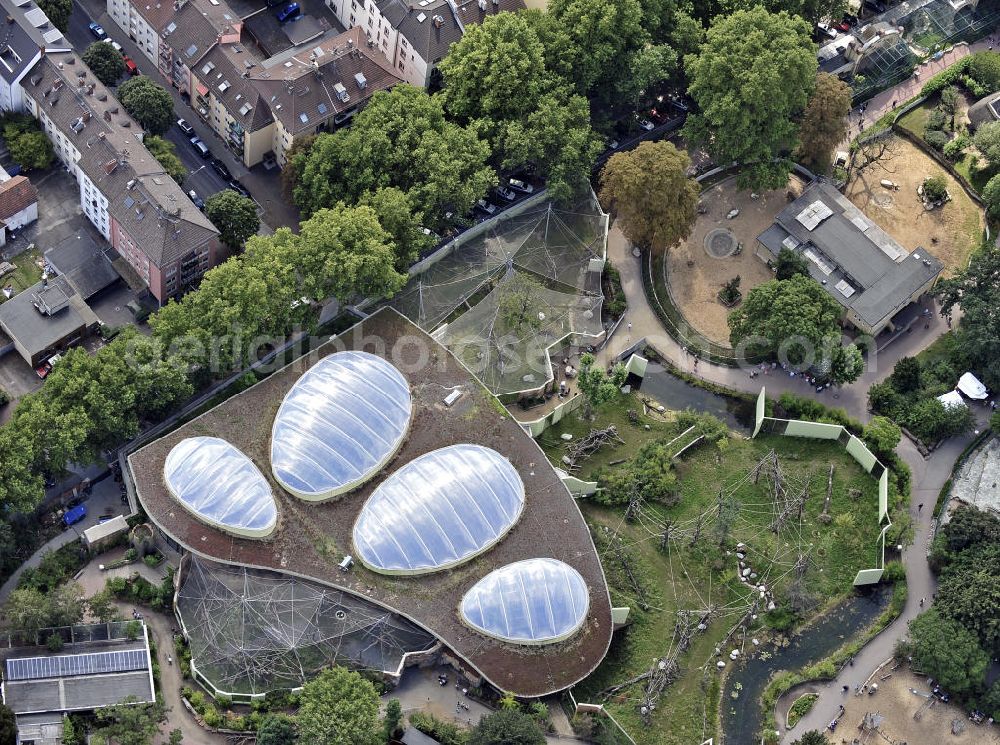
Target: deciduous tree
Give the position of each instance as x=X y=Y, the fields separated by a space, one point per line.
x=987 y=141
x=339 y=707
x=27 y=610
x=131 y=723
x=106 y=62
x=32 y=150
x=824 y=123
x=977 y=289
x=882 y=435
x=234 y=215
x=753 y=76
x=148 y=103
x=506 y=727
x=797 y=313
x=276 y=729
x=400 y=139
x=948 y=652
x=400 y=218
x=57 y=11
x=650 y=194
x=790 y=263
x=847 y=364
x=598 y=386
x=166 y=156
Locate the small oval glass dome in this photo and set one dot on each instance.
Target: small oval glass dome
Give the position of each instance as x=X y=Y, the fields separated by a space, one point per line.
x=535 y=601
x=439 y=510
x=340 y=423
x=221 y=486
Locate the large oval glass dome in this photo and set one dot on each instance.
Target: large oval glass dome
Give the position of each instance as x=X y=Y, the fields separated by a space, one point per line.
x=439 y=510
x=221 y=486
x=535 y=601
x=340 y=423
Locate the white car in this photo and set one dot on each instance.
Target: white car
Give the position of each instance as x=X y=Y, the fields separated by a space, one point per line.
x=644 y=124
x=116 y=45
x=521 y=186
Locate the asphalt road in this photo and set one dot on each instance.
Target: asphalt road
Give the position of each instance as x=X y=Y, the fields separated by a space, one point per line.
x=201 y=177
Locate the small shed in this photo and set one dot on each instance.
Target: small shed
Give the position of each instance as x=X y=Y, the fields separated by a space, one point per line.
x=952 y=399
x=972 y=387
x=98 y=536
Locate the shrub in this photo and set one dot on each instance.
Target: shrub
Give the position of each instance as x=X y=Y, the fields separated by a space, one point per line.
x=984 y=68
x=935 y=188
x=937 y=120
x=946 y=77
x=54 y=642
x=131 y=554
x=953 y=150
x=936 y=138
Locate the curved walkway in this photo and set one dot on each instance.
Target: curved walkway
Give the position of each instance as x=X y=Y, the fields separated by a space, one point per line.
x=928 y=475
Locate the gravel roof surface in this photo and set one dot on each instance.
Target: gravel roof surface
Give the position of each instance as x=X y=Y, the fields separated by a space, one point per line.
x=312 y=538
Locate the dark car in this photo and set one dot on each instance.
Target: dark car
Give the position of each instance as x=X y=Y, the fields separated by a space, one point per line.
x=220 y=168
x=875 y=5
x=288 y=12
x=184 y=127
x=198 y=201
x=486 y=208
x=503 y=192
x=239 y=188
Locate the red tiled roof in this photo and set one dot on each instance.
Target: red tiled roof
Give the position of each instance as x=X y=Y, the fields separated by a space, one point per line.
x=16 y=195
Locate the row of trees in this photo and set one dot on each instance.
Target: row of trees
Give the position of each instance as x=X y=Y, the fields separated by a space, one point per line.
x=954 y=641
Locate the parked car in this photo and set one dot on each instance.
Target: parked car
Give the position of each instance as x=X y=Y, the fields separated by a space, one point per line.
x=200 y=147
x=75 y=514
x=43 y=370
x=130 y=65
x=184 y=127
x=198 y=201
x=116 y=45
x=483 y=206
x=288 y=12
x=842 y=26
x=644 y=123
x=504 y=193
x=825 y=31
x=97 y=31
x=874 y=5
x=521 y=186
x=220 y=168
x=239 y=188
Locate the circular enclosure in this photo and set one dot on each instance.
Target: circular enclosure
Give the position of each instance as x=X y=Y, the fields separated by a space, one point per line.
x=720 y=243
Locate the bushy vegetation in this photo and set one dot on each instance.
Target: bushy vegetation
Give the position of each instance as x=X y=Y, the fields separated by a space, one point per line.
x=26 y=142
x=908 y=396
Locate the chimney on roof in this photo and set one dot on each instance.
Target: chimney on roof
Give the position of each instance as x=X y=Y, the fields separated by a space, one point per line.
x=438 y=21
x=107 y=117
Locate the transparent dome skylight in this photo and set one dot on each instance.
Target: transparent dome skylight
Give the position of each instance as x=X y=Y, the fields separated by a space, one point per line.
x=535 y=601
x=339 y=425
x=439 y=510
x=220 y=485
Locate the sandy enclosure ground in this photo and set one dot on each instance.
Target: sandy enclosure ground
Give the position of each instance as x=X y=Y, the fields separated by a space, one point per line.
x=897 y=704
x=695 y=278
x=956 y=227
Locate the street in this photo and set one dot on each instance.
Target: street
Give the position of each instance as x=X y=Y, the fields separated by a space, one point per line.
x=263 y=185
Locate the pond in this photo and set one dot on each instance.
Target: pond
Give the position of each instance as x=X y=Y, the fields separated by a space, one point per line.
x=677 y=394
x=741 y=717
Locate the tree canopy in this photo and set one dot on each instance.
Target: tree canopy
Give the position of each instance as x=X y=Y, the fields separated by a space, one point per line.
x=977 y=289
x=824 y=122
x=795 y=314
x=131 y=723
x=650 y=194
x=499 y=78
x=106 y=62
x=400 y=139
x=753 y=76
x=790 y=263
x=945 y=650
x=598 y=386
x=276 y=729
x=234 y=215
x=165 y=154
x=57 y=11
x=506 y=727
x=339 y=707
x=148 y=103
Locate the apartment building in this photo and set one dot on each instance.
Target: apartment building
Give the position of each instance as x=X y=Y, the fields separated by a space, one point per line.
x=415 y=35
x=124 y=192
x=23 y=38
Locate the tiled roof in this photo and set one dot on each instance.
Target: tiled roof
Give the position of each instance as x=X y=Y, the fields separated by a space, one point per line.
x=313 y=86
x=226 y=79
x=431 y=29
x=193 y=34
x=16 y=195
x=157 y=13
x=146 y=202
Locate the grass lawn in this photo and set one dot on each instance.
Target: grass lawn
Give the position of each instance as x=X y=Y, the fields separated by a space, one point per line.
x=703 y=575
x=968 y=166
x=916 y=119
x=26 y=274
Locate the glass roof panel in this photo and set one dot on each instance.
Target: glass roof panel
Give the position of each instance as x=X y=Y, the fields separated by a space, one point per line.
x=439 y=510
x=339 y=424
x=535 y=601
x=221 y=486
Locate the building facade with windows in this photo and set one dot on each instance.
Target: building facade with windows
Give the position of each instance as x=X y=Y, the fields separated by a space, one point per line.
x=155 y=228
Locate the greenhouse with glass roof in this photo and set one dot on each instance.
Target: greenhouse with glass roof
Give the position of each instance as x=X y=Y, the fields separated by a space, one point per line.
x=382 y=484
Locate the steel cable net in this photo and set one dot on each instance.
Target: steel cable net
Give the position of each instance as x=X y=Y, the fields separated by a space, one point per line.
x=510 y=354
x=555 y=244
x=251 y=631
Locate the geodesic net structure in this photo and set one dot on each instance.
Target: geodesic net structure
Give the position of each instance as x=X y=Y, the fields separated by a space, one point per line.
x=563 y=249
x=251 y=631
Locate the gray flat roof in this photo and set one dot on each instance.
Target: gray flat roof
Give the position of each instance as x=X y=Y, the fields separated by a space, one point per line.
x=35 y=331
x=857 y=262
x=84 y=263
